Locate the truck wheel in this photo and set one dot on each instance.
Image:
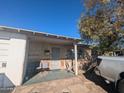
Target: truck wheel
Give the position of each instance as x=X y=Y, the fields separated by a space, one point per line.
x=121 y=86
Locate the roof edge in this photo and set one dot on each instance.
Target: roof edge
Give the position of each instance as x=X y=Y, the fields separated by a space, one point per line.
x=34 y=31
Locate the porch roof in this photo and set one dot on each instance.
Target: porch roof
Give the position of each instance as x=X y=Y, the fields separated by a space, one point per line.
x=42 y=36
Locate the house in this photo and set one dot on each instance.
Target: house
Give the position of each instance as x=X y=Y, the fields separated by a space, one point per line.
x=22 y=51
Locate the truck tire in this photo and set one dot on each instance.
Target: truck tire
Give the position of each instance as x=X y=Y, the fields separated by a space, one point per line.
x=121 y=86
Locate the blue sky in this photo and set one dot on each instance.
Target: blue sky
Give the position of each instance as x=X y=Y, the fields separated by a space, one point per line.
x=51 y=16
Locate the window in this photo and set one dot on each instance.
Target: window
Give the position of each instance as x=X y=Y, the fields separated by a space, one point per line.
x=70 y=54
x=3 y=65
x=47 y=52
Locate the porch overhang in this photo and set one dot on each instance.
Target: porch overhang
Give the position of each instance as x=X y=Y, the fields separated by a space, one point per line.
x=52 y=40
x=41 y=36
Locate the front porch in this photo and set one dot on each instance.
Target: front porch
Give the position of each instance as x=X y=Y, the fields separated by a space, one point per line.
x=53 y=53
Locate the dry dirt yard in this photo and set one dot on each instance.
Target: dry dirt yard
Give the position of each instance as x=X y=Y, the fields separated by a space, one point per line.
x=78 y=84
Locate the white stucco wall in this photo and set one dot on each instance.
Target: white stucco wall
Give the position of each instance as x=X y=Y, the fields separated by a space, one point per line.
x=16 y=56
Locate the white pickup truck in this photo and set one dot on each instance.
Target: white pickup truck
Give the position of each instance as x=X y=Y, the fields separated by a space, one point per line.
x=112 y=69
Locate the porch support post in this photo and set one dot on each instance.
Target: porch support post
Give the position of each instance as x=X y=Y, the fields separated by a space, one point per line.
x=75 y=56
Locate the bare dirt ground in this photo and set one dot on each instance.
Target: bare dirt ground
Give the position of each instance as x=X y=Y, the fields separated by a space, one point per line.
x=79 y=84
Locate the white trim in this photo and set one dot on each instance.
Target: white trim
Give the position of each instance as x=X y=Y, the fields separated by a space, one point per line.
x=5 y=38
x=76 y=62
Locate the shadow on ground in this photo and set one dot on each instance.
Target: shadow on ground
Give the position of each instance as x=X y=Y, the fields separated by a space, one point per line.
x=6 y=91
x=98 y=80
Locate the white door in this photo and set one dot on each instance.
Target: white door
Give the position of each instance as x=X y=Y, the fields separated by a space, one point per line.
x=4 y=48
x=55 y=63
x=4 y=51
